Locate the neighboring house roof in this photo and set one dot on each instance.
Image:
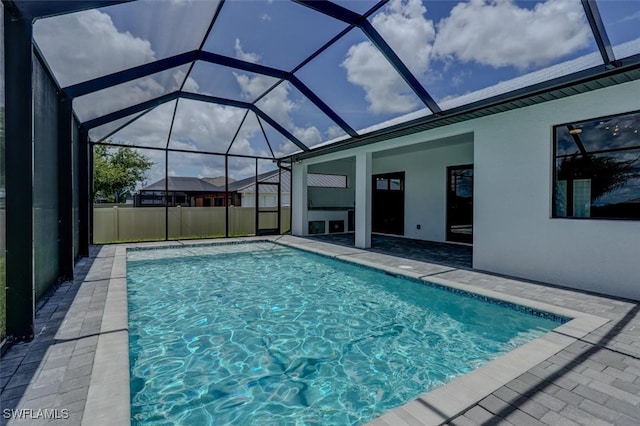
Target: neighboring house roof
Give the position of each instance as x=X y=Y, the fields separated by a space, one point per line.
x=218 y=180
x=313 y=179
x=247 y=185
x=183 y=184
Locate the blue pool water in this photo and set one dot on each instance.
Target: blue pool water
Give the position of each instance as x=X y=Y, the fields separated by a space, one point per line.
x=265 y=334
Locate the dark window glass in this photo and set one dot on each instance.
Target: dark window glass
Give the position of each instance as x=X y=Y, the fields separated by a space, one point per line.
x=597 y=168
x=382 y=183
x=395 y=184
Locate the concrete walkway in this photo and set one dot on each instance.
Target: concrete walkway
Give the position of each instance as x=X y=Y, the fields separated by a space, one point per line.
x=593 y=381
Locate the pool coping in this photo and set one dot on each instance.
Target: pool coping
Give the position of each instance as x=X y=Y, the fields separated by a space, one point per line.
x=108 y=399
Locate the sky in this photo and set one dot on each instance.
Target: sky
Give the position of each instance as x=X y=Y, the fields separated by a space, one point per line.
x=456 y=50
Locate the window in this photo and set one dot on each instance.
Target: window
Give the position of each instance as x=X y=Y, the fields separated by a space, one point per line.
x=597 y=168
x=395 y=184
x=382 y=184
x=389 y=184
x=326 y=181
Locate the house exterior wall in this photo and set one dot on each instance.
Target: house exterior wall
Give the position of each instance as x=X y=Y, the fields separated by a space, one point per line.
x=334 y=197
x=269 y=199
x=514 y=233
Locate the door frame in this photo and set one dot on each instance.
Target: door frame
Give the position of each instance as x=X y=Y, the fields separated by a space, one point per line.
x=393 y=175
x=448 y=233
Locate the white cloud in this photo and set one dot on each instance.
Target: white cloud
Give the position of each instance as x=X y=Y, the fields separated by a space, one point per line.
x=633 y=17
x=496 y=33
x=252 y=87
x=308 y=135
x=285 y=147
x=245 y=56
x=384 y=89
x=266 y=17
x=190 y=85
x=335 y=132
x=278 y=105
x=127 y=94
x=151 y=129
x=403 y=25
x=499 y=33
x=70 y=42
x=209 y=127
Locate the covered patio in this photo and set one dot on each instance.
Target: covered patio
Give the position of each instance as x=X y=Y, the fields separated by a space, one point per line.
x=444 y=254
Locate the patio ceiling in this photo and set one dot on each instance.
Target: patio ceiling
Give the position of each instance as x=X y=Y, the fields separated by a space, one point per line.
x=269 y=79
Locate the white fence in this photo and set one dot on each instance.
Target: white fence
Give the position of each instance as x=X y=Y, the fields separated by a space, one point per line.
x=120 y=224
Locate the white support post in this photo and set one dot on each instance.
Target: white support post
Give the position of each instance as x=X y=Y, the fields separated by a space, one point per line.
x=299 y=225
x=363 y=200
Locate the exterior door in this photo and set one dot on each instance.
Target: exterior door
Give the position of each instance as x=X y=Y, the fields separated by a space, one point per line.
x=460 y=203
x=387 y=204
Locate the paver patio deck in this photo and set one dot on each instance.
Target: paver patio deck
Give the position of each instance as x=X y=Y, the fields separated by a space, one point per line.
x=593 y=381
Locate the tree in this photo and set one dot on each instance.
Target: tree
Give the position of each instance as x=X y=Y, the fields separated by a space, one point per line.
x=606 y=173
x=117 y=171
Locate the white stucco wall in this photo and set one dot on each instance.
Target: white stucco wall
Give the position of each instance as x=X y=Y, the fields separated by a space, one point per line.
x=514 y=233
x=334 y=197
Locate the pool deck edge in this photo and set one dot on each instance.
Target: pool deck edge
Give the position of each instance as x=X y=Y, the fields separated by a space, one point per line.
x=108 y=397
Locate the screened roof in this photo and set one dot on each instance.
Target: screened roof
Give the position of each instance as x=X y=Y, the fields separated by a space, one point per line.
x=269 y=78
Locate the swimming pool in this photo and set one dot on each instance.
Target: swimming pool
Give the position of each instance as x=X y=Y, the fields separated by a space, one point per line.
x=260 y=333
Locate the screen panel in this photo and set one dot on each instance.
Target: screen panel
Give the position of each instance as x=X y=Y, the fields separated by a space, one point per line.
x=89 y=44
x=355 y=80
x=463 y=52
x=121 y=96
x=621 y=19
x=202 y=126
x=197 y=198
x=279 y=34
x=150 y=130
x=242 y=210
x=120 y=212
x=45 y=182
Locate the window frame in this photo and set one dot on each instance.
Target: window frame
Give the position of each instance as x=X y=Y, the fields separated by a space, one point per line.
x=555 y=157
